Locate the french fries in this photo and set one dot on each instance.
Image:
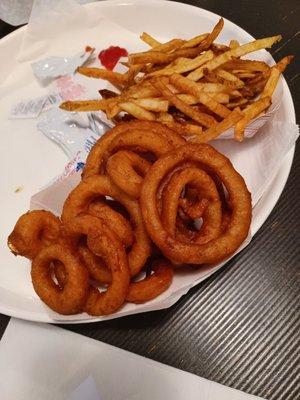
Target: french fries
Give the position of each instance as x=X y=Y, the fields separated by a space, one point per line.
x=227 y=76
x=185 y=65
x=250 y=112
x=137 y=111
x=201 y=118
x=216 y=130
x=102 y=74
x=237 y=52
x=149 y=39
x=194 y=41
x=84 y=105
x=197 y=87
x=157 y=105
x=185 y=85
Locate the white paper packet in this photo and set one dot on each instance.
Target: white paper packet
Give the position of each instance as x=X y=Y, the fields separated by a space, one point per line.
x=262 y=153
x=53 y=67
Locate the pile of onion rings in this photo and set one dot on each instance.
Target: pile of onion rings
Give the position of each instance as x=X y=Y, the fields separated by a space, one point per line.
x=148 y=202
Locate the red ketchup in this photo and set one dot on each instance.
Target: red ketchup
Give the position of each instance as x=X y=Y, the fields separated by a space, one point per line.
x=109 y=57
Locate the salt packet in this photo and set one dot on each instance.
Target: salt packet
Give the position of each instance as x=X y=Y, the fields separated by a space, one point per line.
x=32 y=108
x=47 y=69
x=75 y=133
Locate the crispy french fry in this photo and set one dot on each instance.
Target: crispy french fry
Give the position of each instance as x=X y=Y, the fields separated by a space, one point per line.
x=185 y=65
x=242 y=74
x=247 y=65
x=143 y=89
x=84 y=105
x=137 y=111
x=144 y=92
x=234 y=104
x=237 y=52
x=257 y=84
x=152 y=68
x=132 y=72
x=219 y=48
x=112 y=110
x=165 y=117
x=227 y=76
x=188 y=98
x=233 y=44
x=282 y=64
x=222 y=98
x=271 y=83
x=185 y=129
x=157 y=105
x=195 y=41
x=212 y=87
x=178 y=61
x=188 y=86
x=158 y=53
x=191 y=100
x=172 y=88
x=234 y=93
x=149 y=39
x=100 y=73
x=169 y=46
x=208 y=41
x=216 y=130
x=158 y=57
x=250 y=112
x=201 y=118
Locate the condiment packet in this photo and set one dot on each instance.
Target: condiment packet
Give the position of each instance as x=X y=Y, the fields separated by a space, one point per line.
x=28 y=108
x=52 y=67
x=263 y=153
x=32 y=108
x=74 y=132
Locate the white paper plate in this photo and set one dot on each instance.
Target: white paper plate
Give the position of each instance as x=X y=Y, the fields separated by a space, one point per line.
x=28 y=160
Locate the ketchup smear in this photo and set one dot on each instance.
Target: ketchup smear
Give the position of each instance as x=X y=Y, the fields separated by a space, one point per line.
x=109 y=57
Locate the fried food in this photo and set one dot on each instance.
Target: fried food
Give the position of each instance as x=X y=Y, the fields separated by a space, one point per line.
x=202 y=157
x=153 y=195
x=32 y=232
x=153 y=285
x=72 y=297
x=187 y=86
x=192 y=204
x=113 y=218
x=201 y=118
x=94 y=163
x=94 y=187
x=105 y=244
x=234 y=53
x=197 y=78
x=122 y=153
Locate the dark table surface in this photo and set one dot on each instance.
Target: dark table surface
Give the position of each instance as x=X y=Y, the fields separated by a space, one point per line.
x=240 y=327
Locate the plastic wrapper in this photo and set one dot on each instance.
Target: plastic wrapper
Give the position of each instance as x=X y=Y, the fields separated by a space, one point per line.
x=52 y=67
